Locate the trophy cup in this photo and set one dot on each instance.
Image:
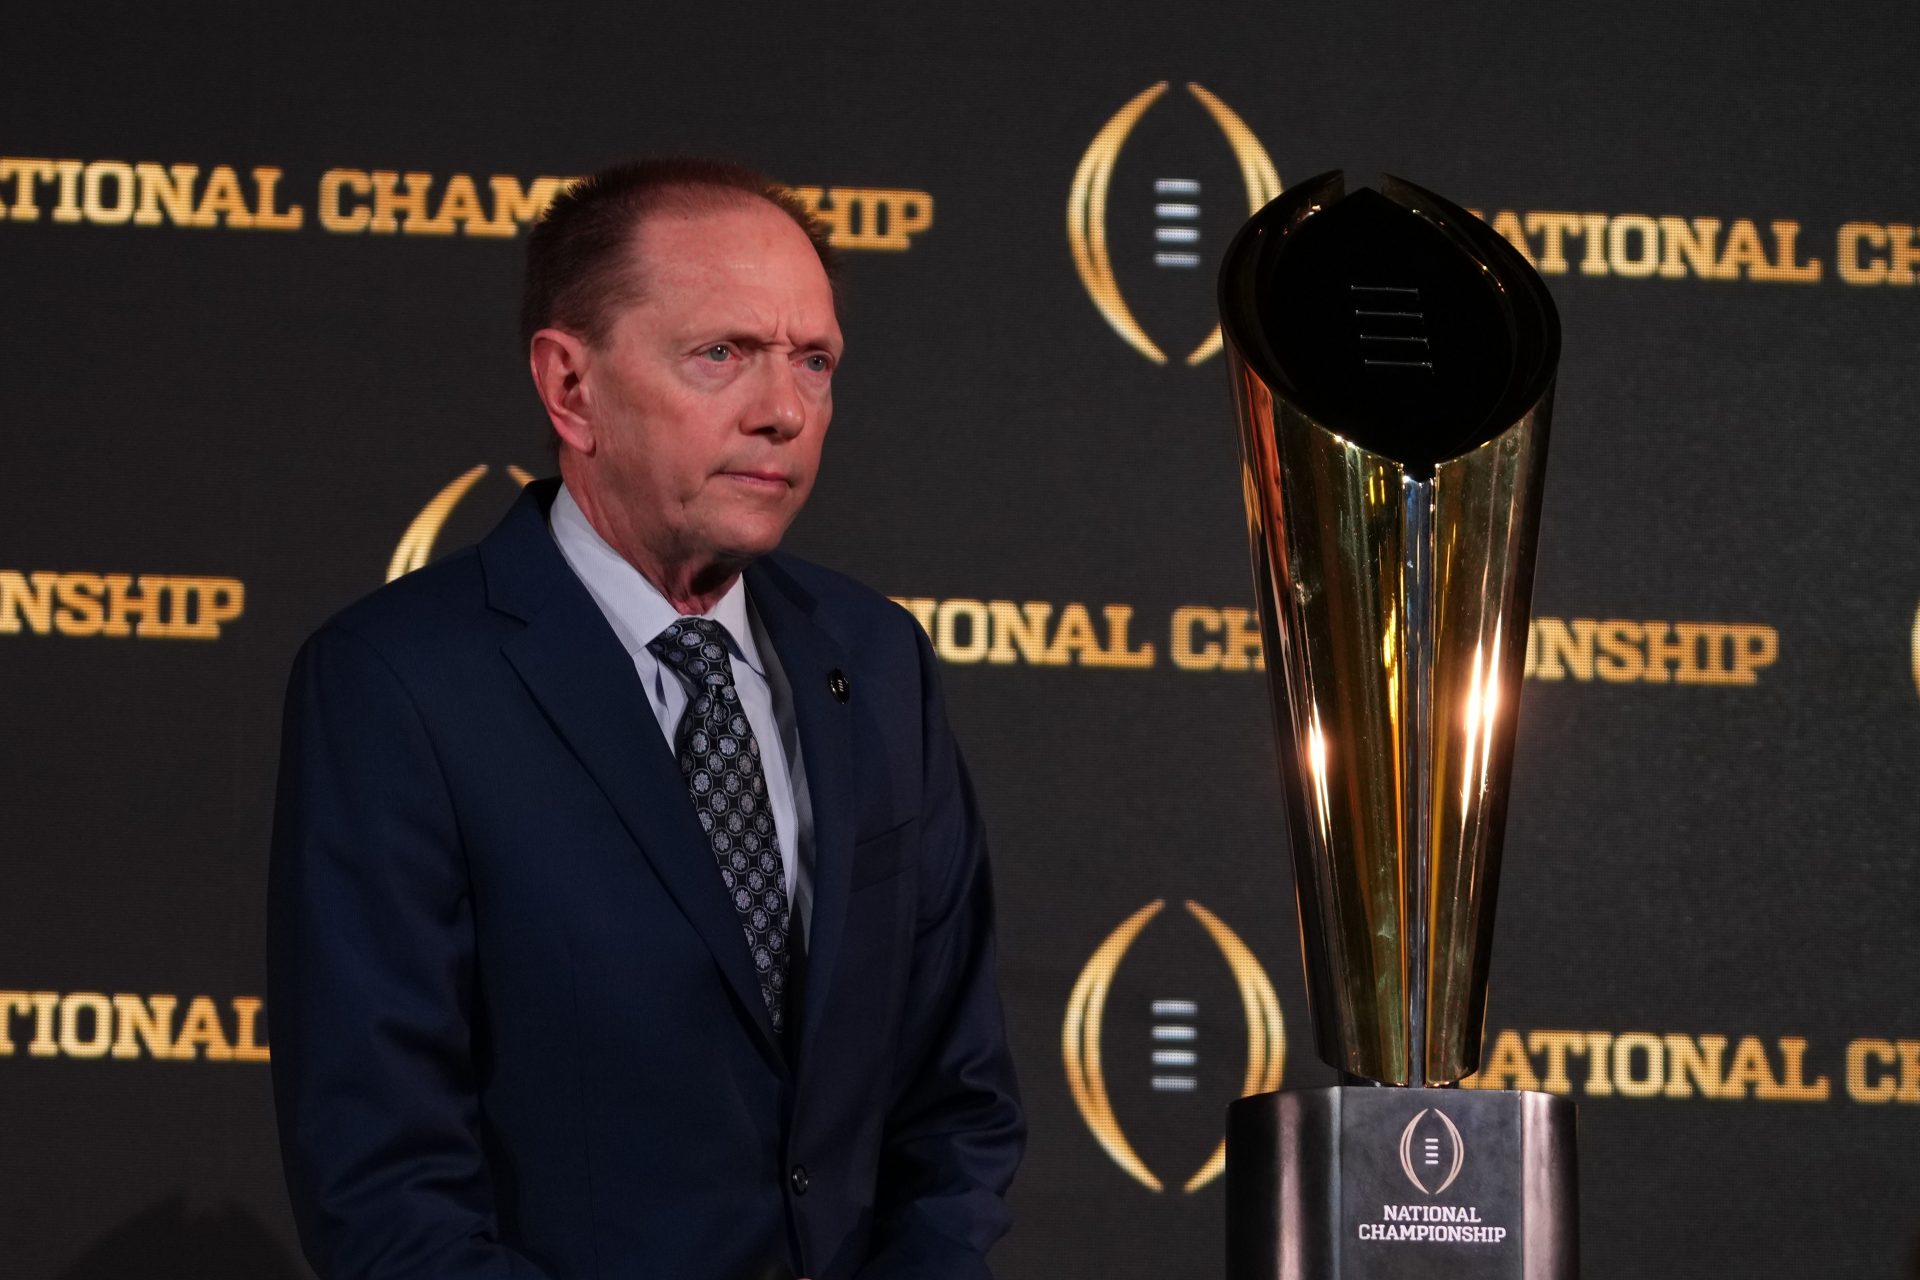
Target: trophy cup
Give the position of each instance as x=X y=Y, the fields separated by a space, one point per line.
x=1393 y=362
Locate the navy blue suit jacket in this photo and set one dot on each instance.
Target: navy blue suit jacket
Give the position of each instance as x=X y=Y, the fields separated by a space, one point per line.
x=516 y=1032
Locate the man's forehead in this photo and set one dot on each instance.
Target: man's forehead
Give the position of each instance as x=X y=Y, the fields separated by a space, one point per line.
x=737 y=264
x=744 y=235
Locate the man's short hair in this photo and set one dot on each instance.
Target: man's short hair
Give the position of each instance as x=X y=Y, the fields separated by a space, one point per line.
x=579 y=254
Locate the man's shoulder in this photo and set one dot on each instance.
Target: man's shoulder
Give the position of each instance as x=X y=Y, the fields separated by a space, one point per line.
x=426 y=612
x=856 y=614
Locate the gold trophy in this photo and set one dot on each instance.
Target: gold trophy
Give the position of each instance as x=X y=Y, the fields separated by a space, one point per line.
x=1393 y=362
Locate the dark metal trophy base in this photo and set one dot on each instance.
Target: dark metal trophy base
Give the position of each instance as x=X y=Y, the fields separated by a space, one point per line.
x=1364 y=1183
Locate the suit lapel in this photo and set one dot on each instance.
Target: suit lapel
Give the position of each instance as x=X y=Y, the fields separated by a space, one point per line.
x=809 y=657
x=583 y=679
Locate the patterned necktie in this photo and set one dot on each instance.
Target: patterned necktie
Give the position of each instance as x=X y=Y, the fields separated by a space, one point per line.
x=721 y=762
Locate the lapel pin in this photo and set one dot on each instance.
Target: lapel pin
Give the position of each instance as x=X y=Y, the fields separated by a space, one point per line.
x=837 y=682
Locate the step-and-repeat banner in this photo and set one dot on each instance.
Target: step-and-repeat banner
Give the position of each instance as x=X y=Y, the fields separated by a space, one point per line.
x=259 y=273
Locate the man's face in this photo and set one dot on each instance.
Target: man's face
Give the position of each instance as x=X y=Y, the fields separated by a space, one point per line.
x=711 y=395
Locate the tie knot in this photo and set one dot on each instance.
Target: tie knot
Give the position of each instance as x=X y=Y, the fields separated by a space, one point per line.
x=695 y=649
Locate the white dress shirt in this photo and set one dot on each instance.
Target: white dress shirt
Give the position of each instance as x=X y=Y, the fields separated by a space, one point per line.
x=637 y=613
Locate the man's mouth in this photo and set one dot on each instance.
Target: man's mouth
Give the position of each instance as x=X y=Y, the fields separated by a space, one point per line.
x=768 y=480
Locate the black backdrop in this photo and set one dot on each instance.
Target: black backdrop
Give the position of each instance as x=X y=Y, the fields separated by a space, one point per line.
x=1709 y=861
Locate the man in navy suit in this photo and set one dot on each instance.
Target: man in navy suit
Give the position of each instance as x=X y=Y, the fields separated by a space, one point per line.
x=630 y=913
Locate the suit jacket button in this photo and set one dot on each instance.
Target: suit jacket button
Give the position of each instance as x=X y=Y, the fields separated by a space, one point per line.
x=837 y=682
x=798 y=1180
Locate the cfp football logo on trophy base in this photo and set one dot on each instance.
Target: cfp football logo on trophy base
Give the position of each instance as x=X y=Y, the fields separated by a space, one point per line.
x=416 y=544
x=1422 y=1151
x=1184 y=224
x=1174 y=1044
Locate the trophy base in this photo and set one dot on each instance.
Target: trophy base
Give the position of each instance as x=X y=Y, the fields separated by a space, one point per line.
x=1368 y=1183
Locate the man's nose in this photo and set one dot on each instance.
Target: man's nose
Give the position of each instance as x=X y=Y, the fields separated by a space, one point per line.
x=780 y=407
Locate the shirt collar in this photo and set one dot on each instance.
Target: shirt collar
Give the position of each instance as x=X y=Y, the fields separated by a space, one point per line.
x=632 y=605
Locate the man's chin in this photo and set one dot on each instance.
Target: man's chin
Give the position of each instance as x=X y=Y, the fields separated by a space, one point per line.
x=744 y=545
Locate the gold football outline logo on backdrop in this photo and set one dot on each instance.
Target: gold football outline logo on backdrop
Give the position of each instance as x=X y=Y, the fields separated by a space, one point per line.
x=1086 y=1012
x=1916 y=650
x=1087 y=209
x=416 y=544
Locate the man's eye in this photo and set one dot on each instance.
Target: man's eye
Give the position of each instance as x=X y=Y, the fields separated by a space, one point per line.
x=819 y=364
x=719 y=353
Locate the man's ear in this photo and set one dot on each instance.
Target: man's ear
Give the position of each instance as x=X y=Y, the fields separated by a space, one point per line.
x=559 y=362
